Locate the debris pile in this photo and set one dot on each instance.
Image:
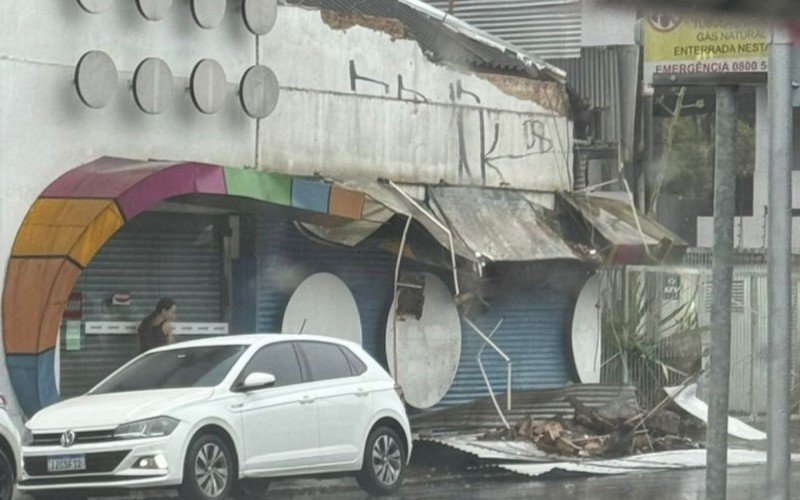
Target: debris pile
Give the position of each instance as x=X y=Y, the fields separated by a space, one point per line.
x=614 y=430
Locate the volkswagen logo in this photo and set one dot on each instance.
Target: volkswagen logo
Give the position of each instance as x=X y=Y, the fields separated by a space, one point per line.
x=67 y=439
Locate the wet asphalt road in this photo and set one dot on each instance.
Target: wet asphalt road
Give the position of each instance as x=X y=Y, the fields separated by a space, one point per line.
x=744 y=483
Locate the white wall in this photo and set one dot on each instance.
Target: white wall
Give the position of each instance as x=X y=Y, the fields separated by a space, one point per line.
x=369 y=129
x=320 y=124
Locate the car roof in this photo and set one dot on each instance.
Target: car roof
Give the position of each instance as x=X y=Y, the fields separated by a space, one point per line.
x=253 y=339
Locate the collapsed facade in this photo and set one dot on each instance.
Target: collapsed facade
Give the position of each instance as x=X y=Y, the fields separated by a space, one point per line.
x=423 y=164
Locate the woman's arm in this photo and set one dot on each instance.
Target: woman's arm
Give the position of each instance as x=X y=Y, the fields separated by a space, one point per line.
x=168 y=329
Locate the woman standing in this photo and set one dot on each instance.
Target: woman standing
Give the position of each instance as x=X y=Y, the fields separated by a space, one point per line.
x=157 y=329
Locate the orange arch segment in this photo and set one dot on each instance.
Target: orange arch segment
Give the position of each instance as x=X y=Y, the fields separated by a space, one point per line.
x=76 y=228
x=32 y=313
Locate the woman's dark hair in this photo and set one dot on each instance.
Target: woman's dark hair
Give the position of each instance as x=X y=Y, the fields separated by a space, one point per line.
x=164 y=304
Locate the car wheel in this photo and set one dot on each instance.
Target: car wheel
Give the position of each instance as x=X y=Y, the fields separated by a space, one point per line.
x=251 y=489
x=208 y=472
x=384 y=463
x=6 y=477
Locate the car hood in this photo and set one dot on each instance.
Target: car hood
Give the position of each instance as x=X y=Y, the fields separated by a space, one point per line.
x=110 y=410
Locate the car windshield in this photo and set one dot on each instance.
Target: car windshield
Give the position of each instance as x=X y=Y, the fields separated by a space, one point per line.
x=174 y=369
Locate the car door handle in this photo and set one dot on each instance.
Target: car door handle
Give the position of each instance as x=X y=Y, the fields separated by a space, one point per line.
x=362 y=393
x=236 y=406
x=306 y=400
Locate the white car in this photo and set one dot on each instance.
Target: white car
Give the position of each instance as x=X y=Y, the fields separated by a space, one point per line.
x=220 y=416
x=9 y=453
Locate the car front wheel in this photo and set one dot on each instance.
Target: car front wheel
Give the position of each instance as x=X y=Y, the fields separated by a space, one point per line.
x=208 y=472
x=6 y=477
x=384 y=463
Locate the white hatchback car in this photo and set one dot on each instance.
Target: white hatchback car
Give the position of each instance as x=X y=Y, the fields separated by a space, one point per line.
x=223 y=415
x=9 y=453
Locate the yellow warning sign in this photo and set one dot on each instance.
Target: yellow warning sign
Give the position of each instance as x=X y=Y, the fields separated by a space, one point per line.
x=677 y=45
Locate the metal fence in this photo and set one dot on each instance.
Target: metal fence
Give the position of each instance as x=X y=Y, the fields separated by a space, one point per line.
x=656 y=331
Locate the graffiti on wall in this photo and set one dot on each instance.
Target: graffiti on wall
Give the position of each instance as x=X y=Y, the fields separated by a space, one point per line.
x=486 y=133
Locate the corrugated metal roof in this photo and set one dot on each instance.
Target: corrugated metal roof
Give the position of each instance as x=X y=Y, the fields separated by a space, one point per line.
x=537 y=404
x=617 y=221
x=444 y=37
x=637 y=464
x=547 y=28
x=594 y=75
x=605 y=78
x=524 y=235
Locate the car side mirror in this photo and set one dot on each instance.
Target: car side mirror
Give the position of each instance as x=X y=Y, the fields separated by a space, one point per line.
x=257 y=380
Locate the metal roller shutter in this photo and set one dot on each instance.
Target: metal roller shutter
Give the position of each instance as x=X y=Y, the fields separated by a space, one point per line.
x=286 y=258
x=533 y=335
x=155 y=255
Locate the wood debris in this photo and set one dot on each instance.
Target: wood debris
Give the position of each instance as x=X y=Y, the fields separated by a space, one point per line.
x=614 y=430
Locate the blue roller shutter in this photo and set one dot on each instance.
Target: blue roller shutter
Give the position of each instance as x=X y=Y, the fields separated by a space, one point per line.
x=532 y=335
x=286 y=258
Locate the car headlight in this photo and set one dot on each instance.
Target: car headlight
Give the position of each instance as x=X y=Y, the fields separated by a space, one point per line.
x=27 y=437
x=152 y=427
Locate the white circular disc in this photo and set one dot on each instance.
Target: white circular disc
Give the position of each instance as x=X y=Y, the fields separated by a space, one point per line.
x=428 y=349
x=153 y=86
x=208 y=13
x=259 y=91
x=96 y=79
x=154 y=10
x=323 y=305
x=95 y=6
x=586 y=328
x=207 y=86
x=260 y=15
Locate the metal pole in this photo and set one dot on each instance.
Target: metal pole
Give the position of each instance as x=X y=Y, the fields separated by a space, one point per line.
x=400 y=252
x=779 y=273
x=720 y=360
x=438 y=224
x=646 y=174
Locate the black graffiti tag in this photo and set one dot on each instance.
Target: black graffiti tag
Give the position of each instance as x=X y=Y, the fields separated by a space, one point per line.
x=535 y=135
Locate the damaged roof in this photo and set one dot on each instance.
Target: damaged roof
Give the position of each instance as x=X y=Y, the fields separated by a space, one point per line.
x=443 y=37
x=500 y=225
x=618 y=222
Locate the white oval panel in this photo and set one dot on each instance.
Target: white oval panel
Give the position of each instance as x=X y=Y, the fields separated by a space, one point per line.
x=259 y=91
x=96 y=79
x=323 y=305
x=95 y=6
x=208 y=86
x=154 y=10
x=153 y=86
x=586 y=328
x=260 y=15
x=208 y=13
x=429 y=349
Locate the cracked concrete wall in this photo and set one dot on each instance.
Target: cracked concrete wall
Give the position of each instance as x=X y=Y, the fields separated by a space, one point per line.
x=365 y=101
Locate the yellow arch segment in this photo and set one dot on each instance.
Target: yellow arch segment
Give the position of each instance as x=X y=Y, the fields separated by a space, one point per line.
x=76 y=228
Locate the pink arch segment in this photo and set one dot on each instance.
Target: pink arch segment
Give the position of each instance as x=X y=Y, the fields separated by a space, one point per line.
x=137 y=186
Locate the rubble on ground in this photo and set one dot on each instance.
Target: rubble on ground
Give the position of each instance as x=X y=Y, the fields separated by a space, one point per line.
x=614 y=430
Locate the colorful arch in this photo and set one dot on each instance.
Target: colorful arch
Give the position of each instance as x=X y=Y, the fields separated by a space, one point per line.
x=79 y=212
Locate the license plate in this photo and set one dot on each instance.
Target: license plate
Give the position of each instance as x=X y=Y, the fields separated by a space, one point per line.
x=66 y=463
